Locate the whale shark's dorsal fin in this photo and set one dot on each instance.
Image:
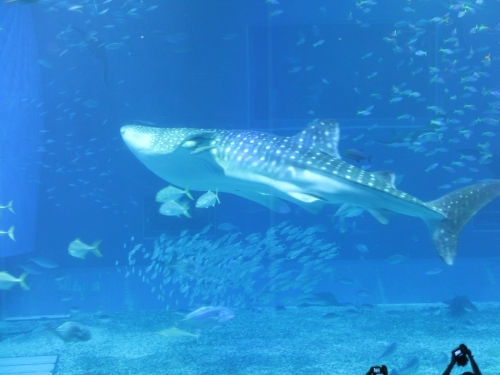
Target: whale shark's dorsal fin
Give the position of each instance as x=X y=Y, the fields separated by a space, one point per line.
x=320 y=135
x=387 y=176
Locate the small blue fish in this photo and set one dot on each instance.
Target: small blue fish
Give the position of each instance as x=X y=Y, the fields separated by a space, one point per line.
x=319 y=43
x=8 y=206
x=462 y=180
x=389 y=350
x=354 y=154
x=362 y=248
x=434 y=271
x=227 y=226
x=367 y=111
x=445 y=186
x=431 y=167
x=9 y=232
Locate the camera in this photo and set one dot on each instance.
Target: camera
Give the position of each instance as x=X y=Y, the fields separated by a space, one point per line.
x=378 y=370
x=459 y=355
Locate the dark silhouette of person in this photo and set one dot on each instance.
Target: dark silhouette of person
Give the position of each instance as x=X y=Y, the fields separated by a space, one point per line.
x=462 y=362
x=374 y=370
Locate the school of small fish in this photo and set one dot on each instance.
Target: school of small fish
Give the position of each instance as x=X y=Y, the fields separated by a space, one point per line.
x=233 y=270
x=458 y=71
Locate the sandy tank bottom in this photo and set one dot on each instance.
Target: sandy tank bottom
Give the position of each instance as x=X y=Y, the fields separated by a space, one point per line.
x=310 y=340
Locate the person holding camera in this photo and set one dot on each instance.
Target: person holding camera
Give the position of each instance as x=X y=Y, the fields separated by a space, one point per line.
x=378 y=370
x=461 y=356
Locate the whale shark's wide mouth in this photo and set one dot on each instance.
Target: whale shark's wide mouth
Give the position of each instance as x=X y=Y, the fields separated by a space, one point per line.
x=136 y=138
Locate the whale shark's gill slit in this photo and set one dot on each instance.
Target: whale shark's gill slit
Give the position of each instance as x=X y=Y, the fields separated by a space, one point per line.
x=458 y=207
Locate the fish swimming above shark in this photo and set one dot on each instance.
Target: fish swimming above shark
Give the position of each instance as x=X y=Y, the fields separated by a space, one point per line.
x=96 y=47
x=305 y=169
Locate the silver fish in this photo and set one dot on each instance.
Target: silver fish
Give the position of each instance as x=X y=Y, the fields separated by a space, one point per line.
x=208 y=199
x=172 y=208
x=171 y=193
x=79 y=249
x=7 y=281
x=208 y=316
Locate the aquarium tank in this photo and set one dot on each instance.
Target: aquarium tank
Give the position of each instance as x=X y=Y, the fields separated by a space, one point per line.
x=249 y=187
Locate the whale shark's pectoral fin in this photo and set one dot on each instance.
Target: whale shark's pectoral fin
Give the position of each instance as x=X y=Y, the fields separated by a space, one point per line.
x=198 y=150
x=380 y=216
x=199 y=142
x=313 y=207
x=277 y=205
x=306 y=198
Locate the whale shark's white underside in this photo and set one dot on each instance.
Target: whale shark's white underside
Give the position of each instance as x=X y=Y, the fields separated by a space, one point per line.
x=305 y=169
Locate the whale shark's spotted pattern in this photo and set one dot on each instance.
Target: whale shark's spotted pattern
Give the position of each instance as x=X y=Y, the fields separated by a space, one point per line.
x=305 y=169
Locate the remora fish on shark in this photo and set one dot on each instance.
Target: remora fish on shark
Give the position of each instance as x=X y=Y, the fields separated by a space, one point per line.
x=305 y=169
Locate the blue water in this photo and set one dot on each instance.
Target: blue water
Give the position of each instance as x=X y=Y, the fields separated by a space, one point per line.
x=414 y=85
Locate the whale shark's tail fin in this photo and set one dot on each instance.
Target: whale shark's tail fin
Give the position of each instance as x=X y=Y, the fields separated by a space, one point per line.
x=458 y=207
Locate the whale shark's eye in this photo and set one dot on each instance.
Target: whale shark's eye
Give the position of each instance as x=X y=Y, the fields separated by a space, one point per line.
x=189 y=144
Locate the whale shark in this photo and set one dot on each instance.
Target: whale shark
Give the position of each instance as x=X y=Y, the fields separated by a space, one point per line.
x=305 y=169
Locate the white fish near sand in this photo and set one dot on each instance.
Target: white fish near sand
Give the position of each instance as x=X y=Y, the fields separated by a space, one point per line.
x=410 y=367
x=73 y=332
x=8 y=206
x=171 y=193
x=176 y=332
x=9 y=232
x=174 y=209
x=389 y=351
x=7 y=281
x=208 y=316
x=208 y=199
x=79 y=249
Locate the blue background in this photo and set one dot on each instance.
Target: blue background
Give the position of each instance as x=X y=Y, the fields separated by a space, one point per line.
x=191 y=63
